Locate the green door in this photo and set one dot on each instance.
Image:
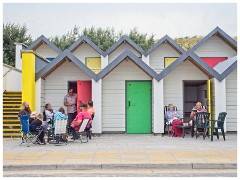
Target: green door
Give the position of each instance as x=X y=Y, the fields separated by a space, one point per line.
x=138 y=107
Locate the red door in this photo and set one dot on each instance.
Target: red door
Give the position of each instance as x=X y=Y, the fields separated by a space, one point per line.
x=84 y=92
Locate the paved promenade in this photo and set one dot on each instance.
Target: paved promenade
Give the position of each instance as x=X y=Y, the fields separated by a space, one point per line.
x=120 y=150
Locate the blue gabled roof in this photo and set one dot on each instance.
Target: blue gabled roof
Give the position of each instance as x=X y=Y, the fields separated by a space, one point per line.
x=39 y=40
x=48 y=68
x=81 y=40
x=120 y=41
x=133 y=58
x=170 y=41
x=222 y=34
x=196 y=59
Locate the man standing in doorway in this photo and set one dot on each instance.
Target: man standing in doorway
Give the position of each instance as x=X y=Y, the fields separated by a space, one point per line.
x=70 y=100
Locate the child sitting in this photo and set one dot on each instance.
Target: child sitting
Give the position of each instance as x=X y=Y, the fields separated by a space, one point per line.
x=91 y=111
x=77 y=122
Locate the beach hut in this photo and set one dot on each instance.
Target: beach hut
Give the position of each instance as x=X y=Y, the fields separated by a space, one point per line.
x=218 y=48
x=127 y=96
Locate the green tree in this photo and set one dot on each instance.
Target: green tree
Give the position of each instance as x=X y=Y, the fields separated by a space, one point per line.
x=13 y=33
x=188 y=42
x=103 y=38
x=65 y=41
x=235 y=38
x=142 y=39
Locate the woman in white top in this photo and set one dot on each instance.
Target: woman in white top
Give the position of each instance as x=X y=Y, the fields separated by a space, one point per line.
x=49 y=113
x=171 y=113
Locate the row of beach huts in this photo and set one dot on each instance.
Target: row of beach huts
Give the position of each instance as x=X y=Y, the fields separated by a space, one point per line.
x=130 y=86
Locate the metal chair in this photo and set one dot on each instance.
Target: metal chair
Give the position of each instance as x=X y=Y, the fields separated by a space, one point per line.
x=82 y=131
x=200 y=123
x=219 y=125
x=28 y=136
x=60 y=128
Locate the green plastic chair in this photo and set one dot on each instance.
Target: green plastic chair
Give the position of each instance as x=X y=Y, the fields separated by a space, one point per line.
x=200 y=123
x=217 y=124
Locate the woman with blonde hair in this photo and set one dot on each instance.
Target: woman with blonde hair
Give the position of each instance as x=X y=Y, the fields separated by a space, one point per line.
x=171 y=114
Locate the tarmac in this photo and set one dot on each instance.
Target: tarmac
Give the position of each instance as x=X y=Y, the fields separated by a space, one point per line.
x=119 y=151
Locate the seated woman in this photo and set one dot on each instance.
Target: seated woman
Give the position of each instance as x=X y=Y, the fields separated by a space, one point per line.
x=171 y=114
x=48 y=114
x=34 y=126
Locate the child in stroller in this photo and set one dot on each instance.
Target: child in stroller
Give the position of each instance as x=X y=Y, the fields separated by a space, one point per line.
x=77 y=122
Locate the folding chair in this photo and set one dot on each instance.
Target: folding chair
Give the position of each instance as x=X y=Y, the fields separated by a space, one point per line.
x=60 y=128
x=81 y=131
x=28 y=136
x=165 y=119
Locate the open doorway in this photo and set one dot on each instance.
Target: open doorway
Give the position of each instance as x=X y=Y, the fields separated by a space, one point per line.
x=73 y=85
x=83 y=89
x=194 y=91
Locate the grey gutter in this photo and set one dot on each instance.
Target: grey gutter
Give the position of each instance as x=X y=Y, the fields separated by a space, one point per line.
x=170 y=41
x=120 y=41
x=228 y=71
x=59 y=59
x=82 y=39
x=120 y=58
x=224 y=35
x=195 y=58
x=43 y=38
x=222 y=66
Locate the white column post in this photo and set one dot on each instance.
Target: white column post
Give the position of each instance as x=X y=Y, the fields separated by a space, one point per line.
x=18 y=55
x=158 y=115
x=145 y=59
x=97 y=104
x=104 y=61
x=38 y=95
x=220 y=99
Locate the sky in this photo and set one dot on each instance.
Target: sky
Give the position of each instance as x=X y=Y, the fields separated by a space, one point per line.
x=175 y=20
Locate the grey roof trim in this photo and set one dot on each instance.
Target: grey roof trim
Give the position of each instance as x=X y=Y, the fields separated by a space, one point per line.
x=82 y=39
x=120 y=58
x=170 y=41
x=42 y=58
x=228 y=71
x=40 y=63
x=195 y=58
x=59 y=59
x=23 y=45
x=224 y=35
x=120 y=41
x=43 y=38
x=224 y=65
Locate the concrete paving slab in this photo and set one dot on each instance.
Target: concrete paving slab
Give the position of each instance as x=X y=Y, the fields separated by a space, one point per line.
x=121 y=150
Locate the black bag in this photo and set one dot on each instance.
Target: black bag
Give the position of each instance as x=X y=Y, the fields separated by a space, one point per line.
x=44 y=116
